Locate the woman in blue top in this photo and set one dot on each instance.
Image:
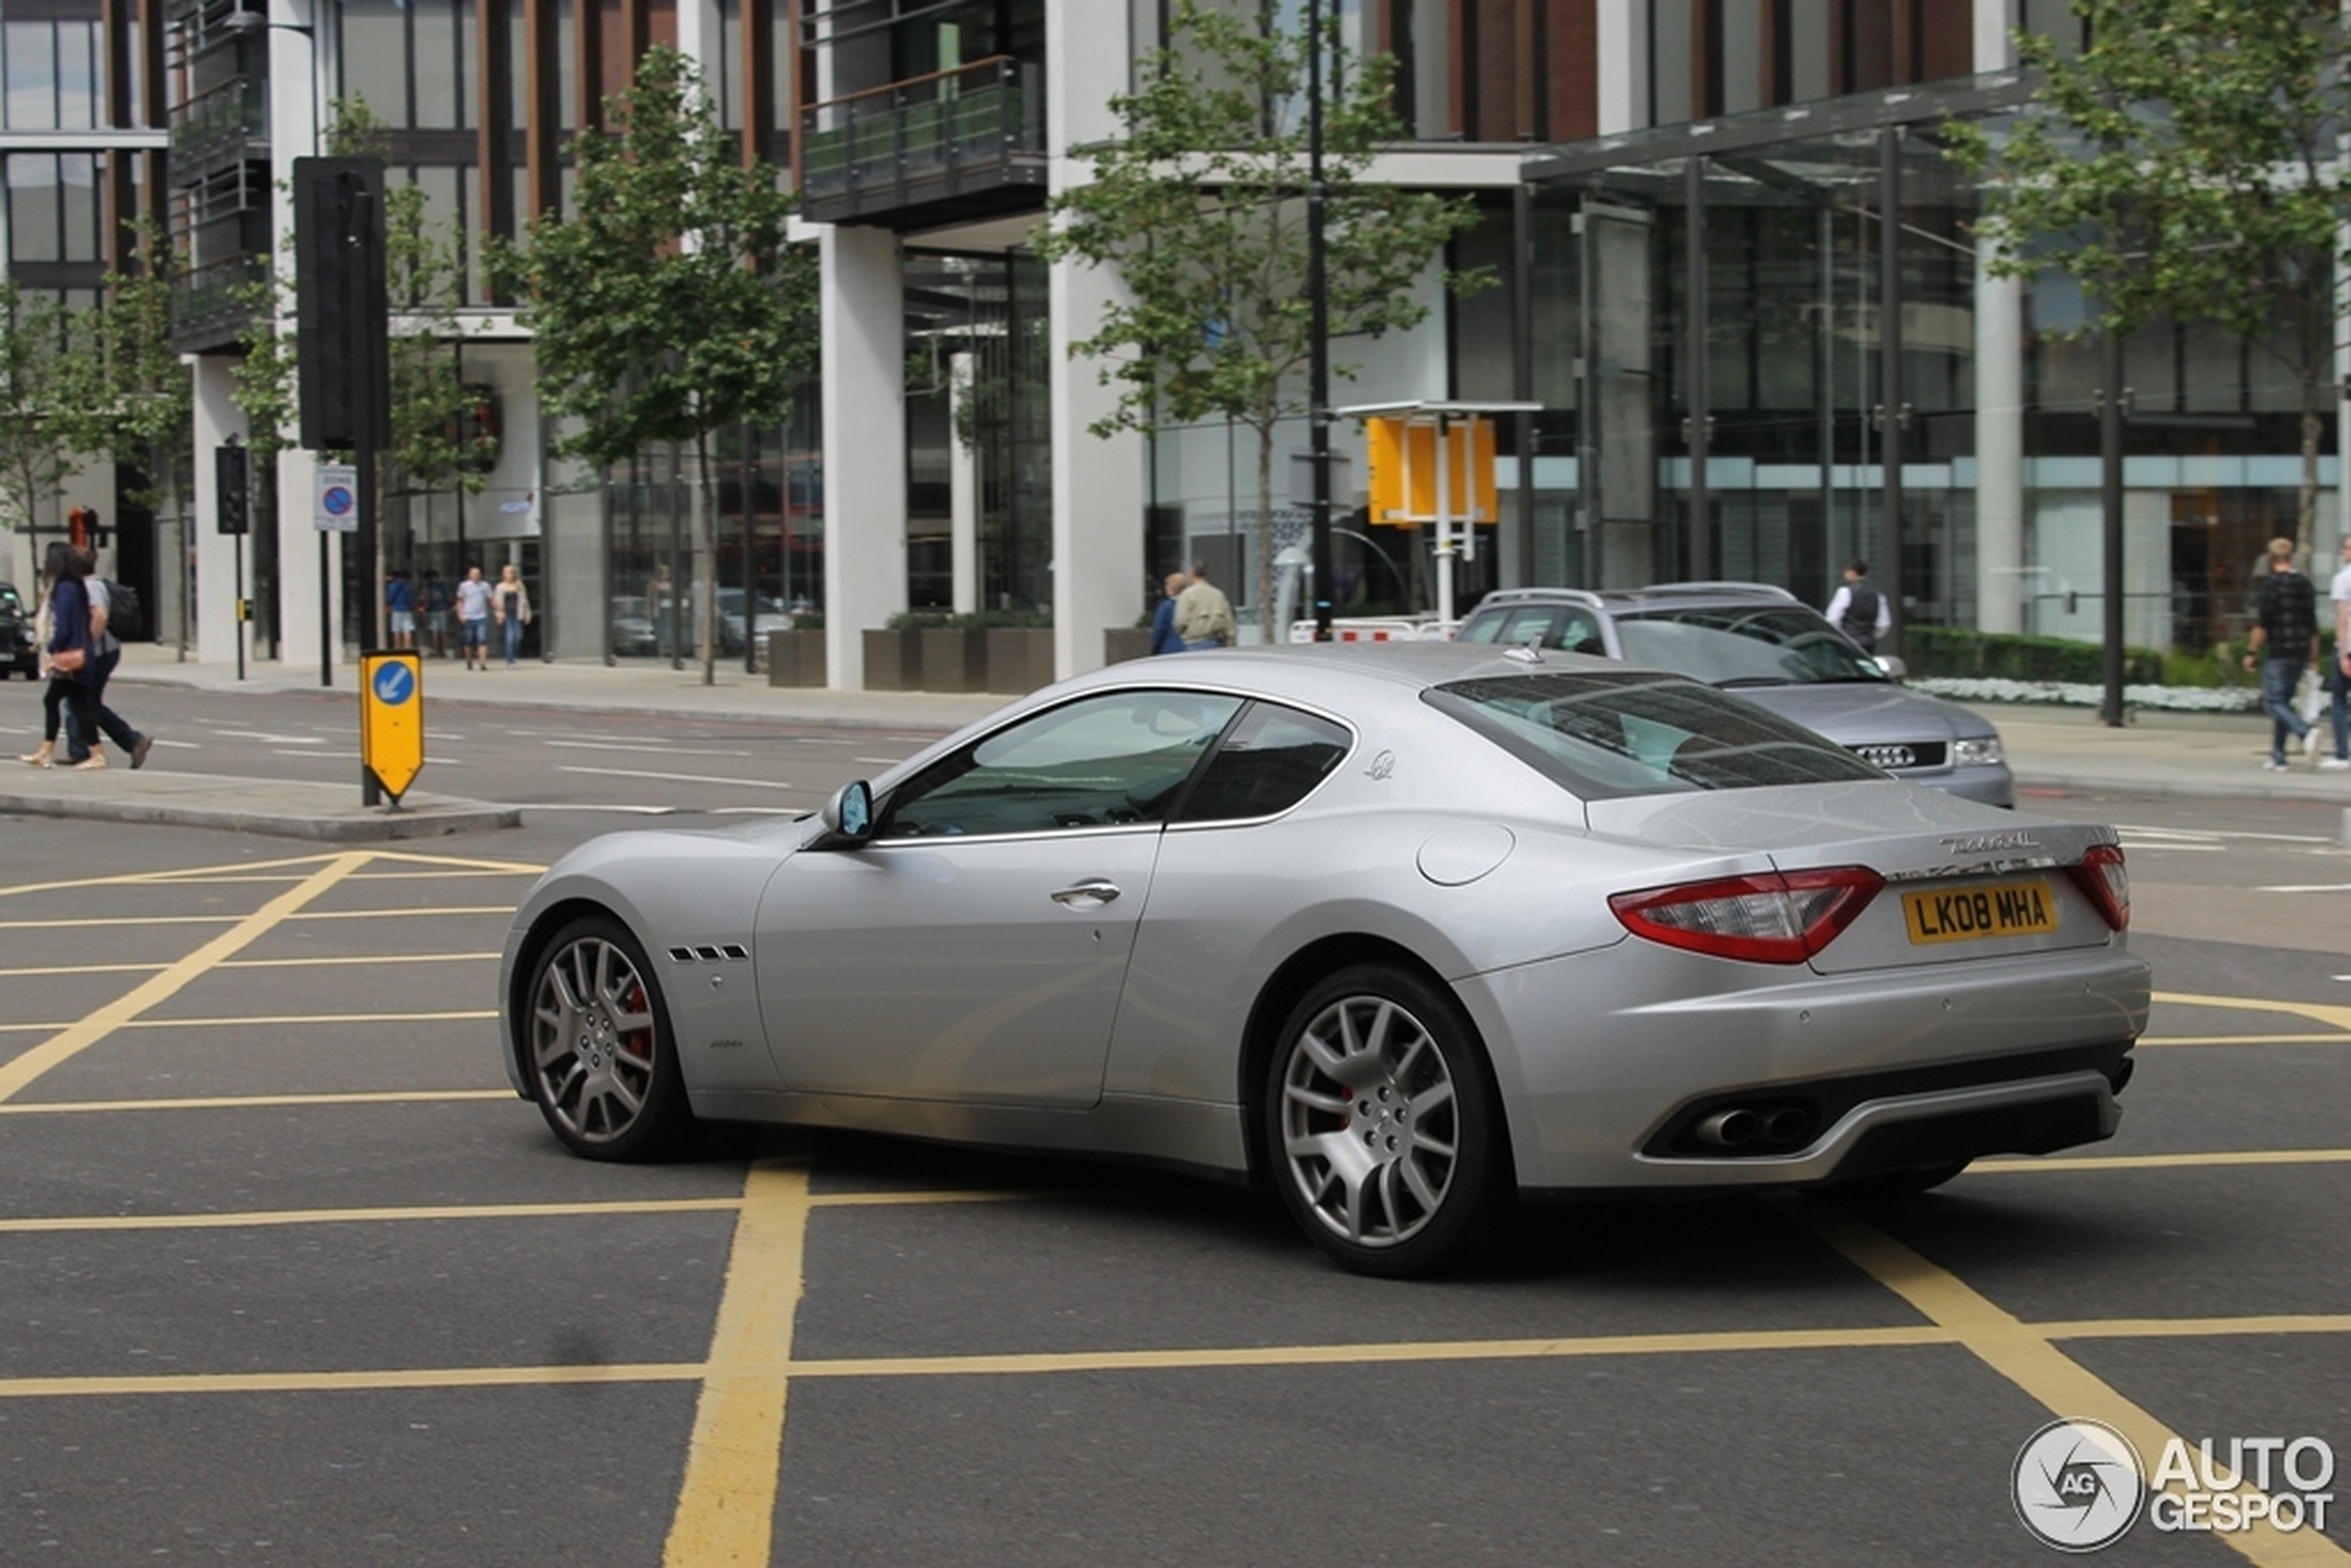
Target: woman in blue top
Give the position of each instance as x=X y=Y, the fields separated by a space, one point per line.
x=67 y=655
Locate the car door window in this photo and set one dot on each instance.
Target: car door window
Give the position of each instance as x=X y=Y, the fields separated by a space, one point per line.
x=1113 y=760
x=1271 y=760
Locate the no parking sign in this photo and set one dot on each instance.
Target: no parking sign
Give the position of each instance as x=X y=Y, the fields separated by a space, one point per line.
x=338 y=508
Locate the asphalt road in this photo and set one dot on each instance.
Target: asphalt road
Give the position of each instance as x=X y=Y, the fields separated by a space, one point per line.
x=288 y=1276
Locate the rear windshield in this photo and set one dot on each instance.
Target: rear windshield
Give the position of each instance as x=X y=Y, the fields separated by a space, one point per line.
x=1779 y=646
x=1605 y=734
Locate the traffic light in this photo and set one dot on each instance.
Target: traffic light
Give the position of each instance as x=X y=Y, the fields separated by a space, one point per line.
x=77 y=527
x=340 y=309
x=229 y=476
x=95 y=530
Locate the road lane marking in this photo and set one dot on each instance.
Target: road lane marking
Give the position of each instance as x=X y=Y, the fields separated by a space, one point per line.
x=1180 y=1359
x=2160 y=1041
x=2165 y=1162
x=253 y=1101
x=132 y=922
x=2333 y=1015
x=16 y=1074
x=726 y=1503
x=682 y=777
x=267 y=1219
x=2026 y=1356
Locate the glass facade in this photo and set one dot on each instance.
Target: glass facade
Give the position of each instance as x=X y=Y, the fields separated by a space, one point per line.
x=1759 y=360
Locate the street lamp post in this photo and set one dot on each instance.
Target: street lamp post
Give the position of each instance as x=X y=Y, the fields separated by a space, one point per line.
x=1318 y=373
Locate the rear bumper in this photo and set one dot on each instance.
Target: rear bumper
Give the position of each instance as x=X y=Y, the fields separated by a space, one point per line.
x=1891 y=1069
x=1910 y=1132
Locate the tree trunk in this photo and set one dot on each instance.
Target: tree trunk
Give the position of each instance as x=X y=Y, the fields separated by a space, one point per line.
x=1265 y=532
x=2306 y=522
x=706 y=568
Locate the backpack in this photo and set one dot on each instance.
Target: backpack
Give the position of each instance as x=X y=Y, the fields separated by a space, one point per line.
x=126 y=618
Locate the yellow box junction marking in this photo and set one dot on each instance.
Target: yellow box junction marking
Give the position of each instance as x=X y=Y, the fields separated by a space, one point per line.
x=2026 y=1357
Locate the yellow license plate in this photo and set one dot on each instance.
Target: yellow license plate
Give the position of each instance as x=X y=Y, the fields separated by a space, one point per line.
x=2004 y=909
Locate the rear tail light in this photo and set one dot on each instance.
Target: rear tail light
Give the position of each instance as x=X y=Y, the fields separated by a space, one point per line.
x=2106 y=882
x=1772 y=917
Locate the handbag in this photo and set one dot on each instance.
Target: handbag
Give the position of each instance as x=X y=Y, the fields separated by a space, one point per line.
x=69 y=661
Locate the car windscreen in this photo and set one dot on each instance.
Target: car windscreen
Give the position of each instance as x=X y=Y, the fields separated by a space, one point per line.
x=1781 y=645
x=1604 y=735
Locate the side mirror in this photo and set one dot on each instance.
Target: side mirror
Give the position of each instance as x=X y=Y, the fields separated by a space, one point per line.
x=1895 y=668
x=847 y=817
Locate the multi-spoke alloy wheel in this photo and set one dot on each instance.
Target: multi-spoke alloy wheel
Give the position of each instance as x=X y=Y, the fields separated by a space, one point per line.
x=1380 y=1116
x=601 y=1063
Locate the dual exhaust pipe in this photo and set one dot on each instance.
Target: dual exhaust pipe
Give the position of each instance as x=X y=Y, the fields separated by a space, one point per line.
x=1756 y=1130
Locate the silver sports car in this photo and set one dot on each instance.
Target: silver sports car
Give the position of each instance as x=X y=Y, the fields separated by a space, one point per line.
x=1406 y=931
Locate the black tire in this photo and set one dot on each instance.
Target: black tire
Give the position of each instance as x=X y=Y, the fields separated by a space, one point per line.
x=1382 y=1127
x=597 y=1048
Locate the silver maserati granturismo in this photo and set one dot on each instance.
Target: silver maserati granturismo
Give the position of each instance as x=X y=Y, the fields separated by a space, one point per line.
x=1408 y=932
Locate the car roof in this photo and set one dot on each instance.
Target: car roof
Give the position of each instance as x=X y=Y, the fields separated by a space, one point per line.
x=1306 y=671
x=1628 y=600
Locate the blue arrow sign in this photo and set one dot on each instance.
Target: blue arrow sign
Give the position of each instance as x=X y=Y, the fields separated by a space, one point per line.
x=395 y=685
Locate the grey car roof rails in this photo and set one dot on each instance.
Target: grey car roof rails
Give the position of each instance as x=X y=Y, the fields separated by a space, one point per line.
x=1769 y=589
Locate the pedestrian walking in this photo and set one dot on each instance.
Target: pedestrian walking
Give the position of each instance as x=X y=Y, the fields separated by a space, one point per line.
x=400 y=608
x=57 y=689
x=2340 y=669
x=1165 y=637
x=1203 y=615
x=2285 y=623
x=1857 y=609
x=473 y=619
x=511 y=604
x=106 y=653
x=437 y=602
x=65 y=651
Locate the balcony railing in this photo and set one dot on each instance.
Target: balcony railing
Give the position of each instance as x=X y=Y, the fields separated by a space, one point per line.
x=968 y=137
x=222 y=124
x=212 y=305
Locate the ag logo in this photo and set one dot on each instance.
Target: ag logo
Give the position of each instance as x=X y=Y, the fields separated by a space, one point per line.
x=2078 y=1485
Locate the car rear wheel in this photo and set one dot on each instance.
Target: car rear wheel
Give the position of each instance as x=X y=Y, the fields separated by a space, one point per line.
x=602 y=1064
x=1386 y=1142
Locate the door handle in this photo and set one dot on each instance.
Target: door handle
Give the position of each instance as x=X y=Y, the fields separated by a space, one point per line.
x=1093 y=890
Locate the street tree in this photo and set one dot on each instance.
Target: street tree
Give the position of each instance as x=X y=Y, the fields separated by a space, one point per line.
x=127 y=396
x=2185 y=166
x=38 y=447
x=1201 y=207
x=667 y=303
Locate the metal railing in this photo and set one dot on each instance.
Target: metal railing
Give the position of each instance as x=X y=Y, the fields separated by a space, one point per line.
x=886 y=136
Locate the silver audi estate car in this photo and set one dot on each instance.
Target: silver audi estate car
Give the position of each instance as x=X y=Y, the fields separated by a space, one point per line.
x=1407 y=932
x=1774 y=649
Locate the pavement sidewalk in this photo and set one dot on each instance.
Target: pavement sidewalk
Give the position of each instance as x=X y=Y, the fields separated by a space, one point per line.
x=2051 y=748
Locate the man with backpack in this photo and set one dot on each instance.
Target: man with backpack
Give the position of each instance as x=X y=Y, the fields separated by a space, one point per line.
x=1858 y=610
x=105 y=651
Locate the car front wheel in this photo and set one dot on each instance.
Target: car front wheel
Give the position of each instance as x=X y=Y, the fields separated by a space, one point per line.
x=1387 y=1144
x=601 y=1064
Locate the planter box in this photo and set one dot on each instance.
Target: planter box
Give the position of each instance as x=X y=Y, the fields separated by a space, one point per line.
x=796 y=658
x=953 y=658
x=1020 y=658
x=1121 y=643
x=893 y=661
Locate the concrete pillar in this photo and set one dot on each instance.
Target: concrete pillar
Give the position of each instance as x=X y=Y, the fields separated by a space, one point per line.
x=962 y=489
x=864 y=312
x=1098 y=492
x=1623 y=66
x=2000 y=583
